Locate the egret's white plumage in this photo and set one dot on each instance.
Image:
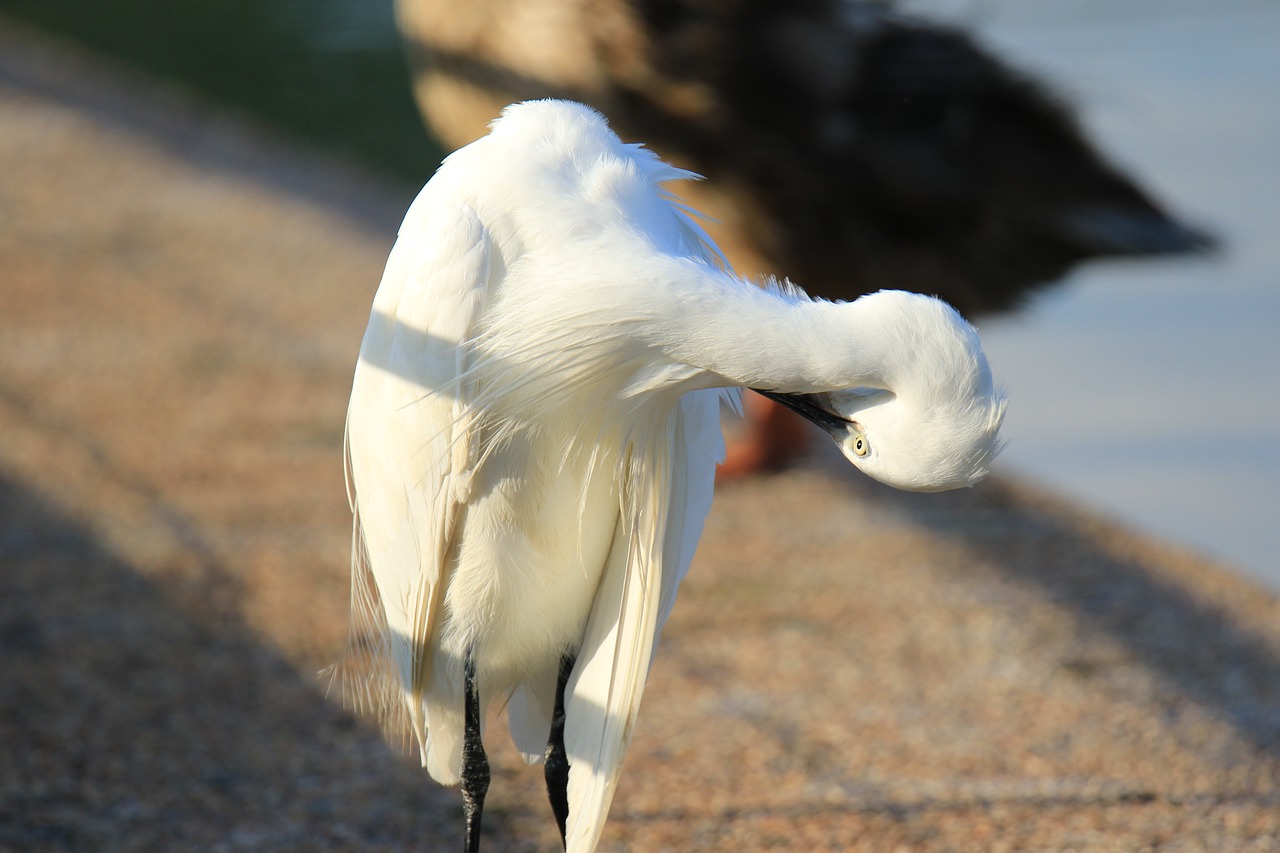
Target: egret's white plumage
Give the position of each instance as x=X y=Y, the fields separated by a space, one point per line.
x=533 y=427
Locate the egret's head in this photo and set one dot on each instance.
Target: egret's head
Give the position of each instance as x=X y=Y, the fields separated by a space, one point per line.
x=932 y=420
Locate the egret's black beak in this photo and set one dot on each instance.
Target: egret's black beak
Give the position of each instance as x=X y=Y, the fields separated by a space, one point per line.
x=811 y=407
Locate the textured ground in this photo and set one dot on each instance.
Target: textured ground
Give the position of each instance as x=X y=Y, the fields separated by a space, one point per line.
x=848 y=668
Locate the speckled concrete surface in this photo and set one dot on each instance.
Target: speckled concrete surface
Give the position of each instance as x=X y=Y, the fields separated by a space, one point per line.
x=847 y=669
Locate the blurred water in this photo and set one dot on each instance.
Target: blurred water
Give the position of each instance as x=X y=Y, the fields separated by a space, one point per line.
x=1152 y=390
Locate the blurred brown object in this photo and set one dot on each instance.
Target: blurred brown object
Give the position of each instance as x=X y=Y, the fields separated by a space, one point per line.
x=847 y=146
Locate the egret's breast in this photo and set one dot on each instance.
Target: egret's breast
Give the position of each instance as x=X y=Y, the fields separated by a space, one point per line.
x=536 y=537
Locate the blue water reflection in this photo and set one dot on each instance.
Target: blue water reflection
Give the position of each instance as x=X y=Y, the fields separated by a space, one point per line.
x=1152 y=390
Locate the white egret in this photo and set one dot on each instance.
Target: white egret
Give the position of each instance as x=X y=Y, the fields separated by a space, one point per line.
x=533 y=431
x=847 y=142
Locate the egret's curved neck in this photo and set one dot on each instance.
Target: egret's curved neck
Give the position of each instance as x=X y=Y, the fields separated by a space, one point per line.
x=739 y=334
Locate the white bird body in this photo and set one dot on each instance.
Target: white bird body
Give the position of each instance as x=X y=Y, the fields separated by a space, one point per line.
x=533 y=427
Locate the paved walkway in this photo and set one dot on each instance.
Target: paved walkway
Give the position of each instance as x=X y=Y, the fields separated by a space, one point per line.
x=181 y=300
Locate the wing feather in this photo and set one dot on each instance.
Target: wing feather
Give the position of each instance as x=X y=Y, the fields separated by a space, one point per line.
x=409 y=444
x=666 y=498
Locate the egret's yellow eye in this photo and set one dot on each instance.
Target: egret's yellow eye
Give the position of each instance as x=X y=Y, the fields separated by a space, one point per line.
x=860 y=446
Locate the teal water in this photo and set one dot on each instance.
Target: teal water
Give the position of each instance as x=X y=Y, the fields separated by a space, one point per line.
x=329 y=72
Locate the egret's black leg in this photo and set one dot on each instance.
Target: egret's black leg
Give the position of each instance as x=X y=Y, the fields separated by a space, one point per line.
x=556 y=761
x=475 y=765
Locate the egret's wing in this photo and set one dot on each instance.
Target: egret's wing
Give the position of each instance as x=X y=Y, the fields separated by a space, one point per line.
x=699 y=440
x=666 y=497
x=409 y=445
x=698 y=448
